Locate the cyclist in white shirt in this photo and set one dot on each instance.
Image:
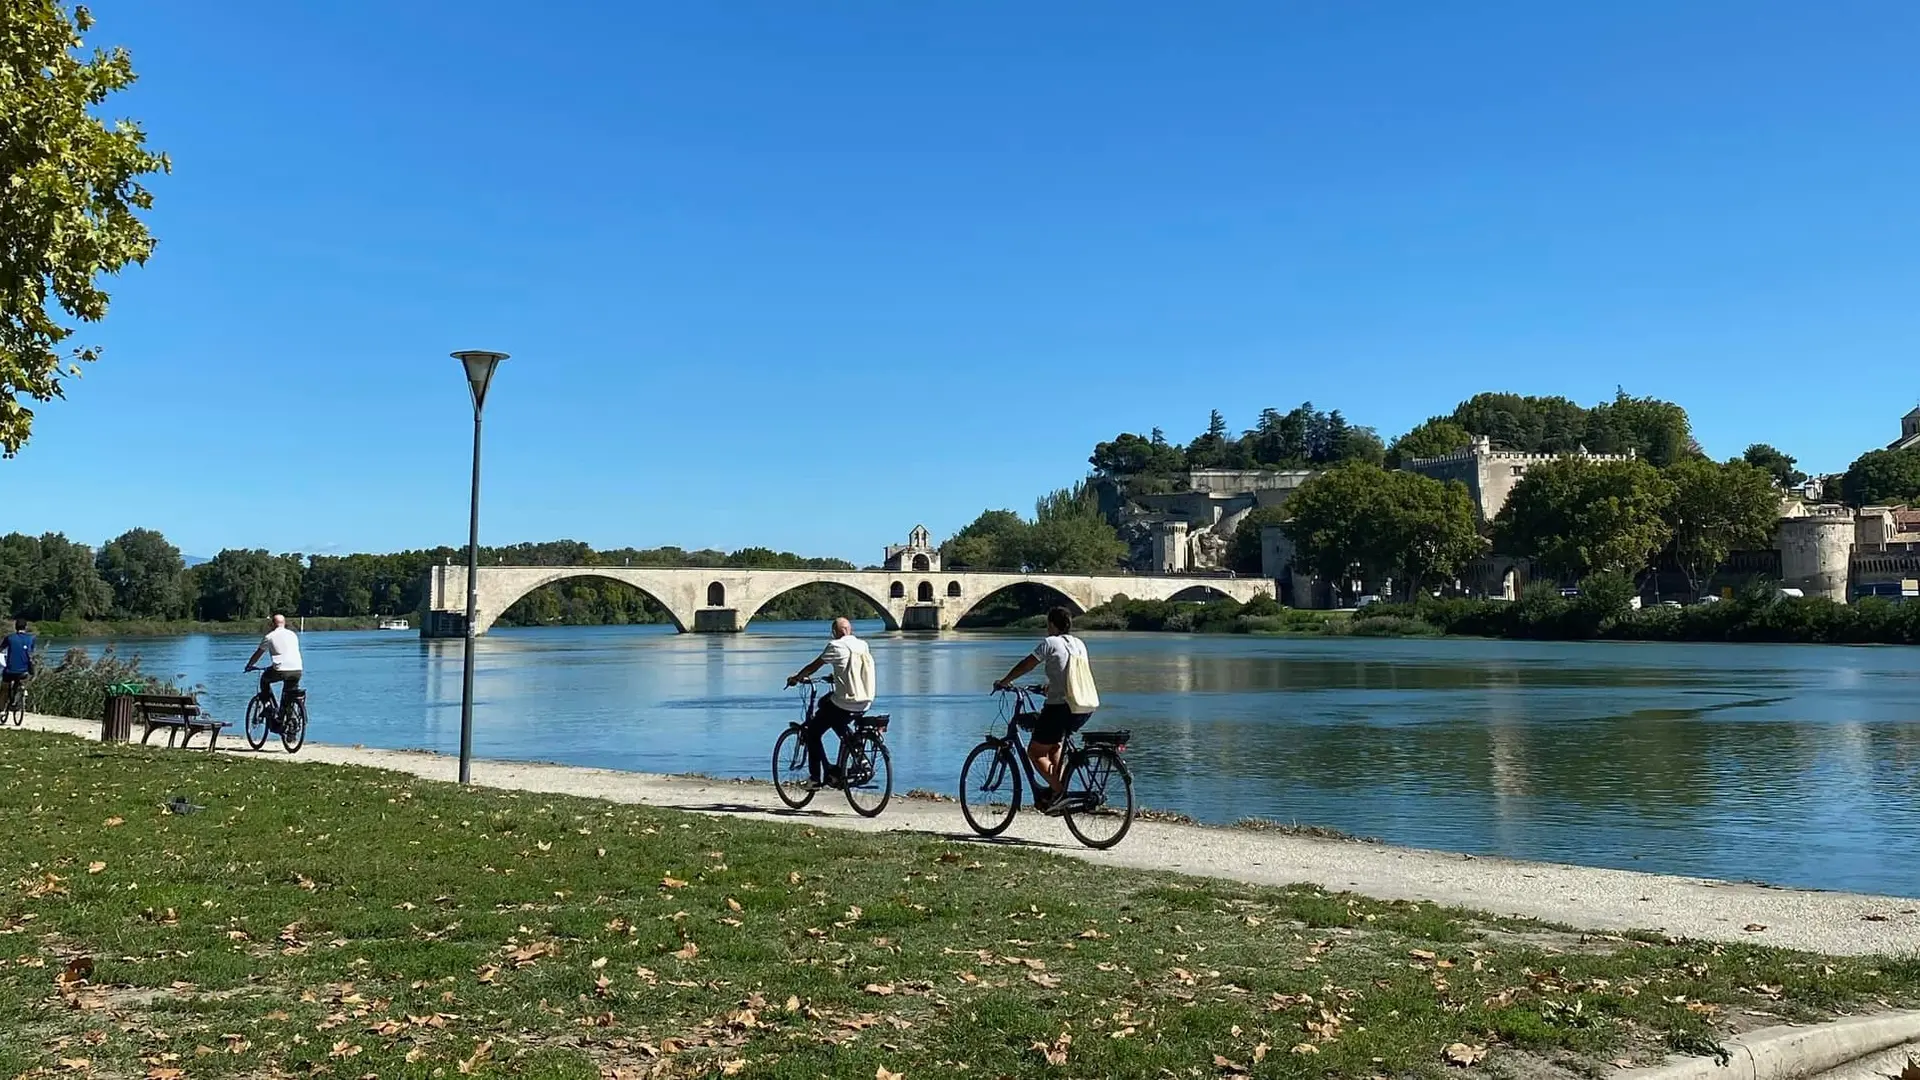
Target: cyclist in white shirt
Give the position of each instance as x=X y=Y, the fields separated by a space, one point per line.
x=851 y=697
x=285 y=667
x=1056 y=720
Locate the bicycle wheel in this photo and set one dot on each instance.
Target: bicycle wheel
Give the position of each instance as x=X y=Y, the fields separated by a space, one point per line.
x=256 y=723
x=1099 y=798
x=990 y=788
x=790 y=769
x=869 y=773
x=293 y=725
x=17 y=705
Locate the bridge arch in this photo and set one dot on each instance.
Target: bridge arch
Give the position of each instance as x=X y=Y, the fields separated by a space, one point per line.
x=1054 y=596
x=497 y=596
x=1199 y=594
x=877 y=603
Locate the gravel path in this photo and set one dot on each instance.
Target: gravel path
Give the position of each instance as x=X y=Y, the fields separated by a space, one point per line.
x=1584 y=897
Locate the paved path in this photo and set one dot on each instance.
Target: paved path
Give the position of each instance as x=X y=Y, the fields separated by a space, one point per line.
x=1584 y=897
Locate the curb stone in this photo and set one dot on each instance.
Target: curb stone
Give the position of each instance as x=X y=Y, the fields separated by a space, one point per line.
x=1793 y=1052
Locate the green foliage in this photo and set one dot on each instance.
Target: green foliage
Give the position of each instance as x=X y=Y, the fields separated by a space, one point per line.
x=144 y=572
x=1658 y=431
x=1068 y=534
x=1759 y=614
x=240 y=584
x=1359 y=520
x=50 y=578
x=1575 y=516
x=1716 y=510
x=1776 y=464
x=69 y=206
x=1436 y=437
x=77 y=685
x=1883 y=476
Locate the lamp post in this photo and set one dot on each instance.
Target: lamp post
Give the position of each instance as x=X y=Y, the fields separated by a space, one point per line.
x=480 y=366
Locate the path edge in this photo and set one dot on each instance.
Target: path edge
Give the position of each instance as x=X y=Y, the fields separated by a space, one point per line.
x=1793 y=1052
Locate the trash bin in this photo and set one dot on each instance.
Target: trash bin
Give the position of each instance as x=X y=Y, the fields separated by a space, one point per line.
x=117 y=724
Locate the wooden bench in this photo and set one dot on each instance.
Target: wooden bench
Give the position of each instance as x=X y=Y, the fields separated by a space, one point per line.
x=178 y=715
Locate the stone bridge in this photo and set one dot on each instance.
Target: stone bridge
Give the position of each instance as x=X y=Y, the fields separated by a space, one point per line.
x=716 y=600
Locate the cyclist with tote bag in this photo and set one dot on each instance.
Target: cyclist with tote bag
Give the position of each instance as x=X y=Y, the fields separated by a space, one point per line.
x=1071 y=699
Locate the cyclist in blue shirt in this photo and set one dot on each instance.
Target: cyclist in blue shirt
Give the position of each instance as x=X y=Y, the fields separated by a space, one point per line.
x=16 y=659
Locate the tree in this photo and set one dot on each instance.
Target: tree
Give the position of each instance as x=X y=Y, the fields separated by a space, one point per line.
x=1215 y=448
x=1129 y=455
x=1357 y=519
x=1437 y=437
x=1069 y=535
x=1656 y=430
x=143 y=570
x=1883 y=476
x=1779 y=465
x=994 y=540
x=1534 y=425
x=237 y=584
x=1575 y=516
x=69 y=206
x=1717 y=510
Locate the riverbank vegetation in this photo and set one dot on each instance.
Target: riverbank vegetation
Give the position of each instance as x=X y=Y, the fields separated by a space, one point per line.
x=1602 y=611
x=326 y=919
x=77 y=684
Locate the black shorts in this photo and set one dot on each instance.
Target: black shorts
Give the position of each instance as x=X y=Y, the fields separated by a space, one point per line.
x=13 y=676
x=1055 y=723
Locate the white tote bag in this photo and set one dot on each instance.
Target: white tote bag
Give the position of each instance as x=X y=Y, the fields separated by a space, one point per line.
x=1082 y=696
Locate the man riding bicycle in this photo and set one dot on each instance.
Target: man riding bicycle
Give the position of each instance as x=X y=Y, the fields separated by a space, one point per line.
x=1057 y=719
x=852 y=696
x=16 y=659
x=283 y=645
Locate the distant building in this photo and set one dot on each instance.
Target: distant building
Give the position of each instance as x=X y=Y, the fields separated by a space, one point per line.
x=1179 y=531
x=1909 y=432
x=917 y=555
x=1491 y=475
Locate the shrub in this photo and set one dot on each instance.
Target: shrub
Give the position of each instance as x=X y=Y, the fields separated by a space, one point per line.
x=77 y=685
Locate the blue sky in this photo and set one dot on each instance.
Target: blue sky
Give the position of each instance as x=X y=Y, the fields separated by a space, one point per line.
x=803 y=275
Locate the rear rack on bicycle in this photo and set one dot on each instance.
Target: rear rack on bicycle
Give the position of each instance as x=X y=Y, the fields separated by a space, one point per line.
x=867 y=723
x=1116 y=739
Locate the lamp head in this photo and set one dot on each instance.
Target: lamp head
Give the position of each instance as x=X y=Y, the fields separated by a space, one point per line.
x=480 y=365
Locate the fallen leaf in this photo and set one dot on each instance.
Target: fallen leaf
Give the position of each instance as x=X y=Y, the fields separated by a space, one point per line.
x=1421 y=954
x=599 y=962
x=480 y=1054
x=673 y=883
x=1754 y=927
x=487 y=974
x=733 y=905
x=95 y=867
x=114 y=821
x=1259 y=1053
x=687 y=951
x=76 y=1064
x=880 y=989
x=1304 y=1048
x=1462 y=1056
x=1039 y=979
x=733 y=1067
x=793 y=877
x=344 y=1049
x=883 y=1073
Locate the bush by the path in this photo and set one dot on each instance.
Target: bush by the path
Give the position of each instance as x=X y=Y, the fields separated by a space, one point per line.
x=77 y=684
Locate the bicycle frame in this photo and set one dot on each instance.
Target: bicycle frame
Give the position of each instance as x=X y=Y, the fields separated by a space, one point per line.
x=1023 y=706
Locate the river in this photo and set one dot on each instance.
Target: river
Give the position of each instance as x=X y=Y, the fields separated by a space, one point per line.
x=1794 y=765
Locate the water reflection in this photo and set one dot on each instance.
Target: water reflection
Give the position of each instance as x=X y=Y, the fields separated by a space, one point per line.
x=1787 y=764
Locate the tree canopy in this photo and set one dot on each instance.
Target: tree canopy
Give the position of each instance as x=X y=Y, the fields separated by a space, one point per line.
x=70 y=207
x=1068 y=534
x=1883 y=476
x=1716 y=510
x=144 y=573
x=1436 y=437
x=1359 y=520
x=1776 y=464
x=1656 y=430
x=1575 y=516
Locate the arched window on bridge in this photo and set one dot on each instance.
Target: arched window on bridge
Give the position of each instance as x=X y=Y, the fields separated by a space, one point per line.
x=926 y=592
x=716 y=595
x=898 y=592
x=953 y=588
x=921 y=565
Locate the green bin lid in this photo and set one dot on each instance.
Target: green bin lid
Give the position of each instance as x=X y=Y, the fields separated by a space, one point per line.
x=121 y=688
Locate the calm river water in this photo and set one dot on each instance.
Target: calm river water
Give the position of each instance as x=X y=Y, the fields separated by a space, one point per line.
x=1786 y=764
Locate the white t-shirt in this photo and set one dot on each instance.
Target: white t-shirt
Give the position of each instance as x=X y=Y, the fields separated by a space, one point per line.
x=1052 y=654
x=840 y=652
x=284 y=646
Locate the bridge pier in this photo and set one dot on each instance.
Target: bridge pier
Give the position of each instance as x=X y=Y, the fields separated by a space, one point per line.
x=923 y=618
x=718 y=621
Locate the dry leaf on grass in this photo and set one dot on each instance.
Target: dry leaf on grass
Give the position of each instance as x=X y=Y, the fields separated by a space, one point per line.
x=1462 y=1056
x=114 y=821
x=687 y=951
x=672 y=883
x=884 y=1073
x=733 y=905
x=880 y=989
x=95 y=867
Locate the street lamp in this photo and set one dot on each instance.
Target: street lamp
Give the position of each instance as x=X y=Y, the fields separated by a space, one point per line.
x=480 y=366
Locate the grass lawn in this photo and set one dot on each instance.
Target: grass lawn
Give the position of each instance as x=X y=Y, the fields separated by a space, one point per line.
x=324 y=920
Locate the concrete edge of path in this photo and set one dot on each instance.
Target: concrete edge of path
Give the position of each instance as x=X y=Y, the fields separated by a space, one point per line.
x=1793 y=1052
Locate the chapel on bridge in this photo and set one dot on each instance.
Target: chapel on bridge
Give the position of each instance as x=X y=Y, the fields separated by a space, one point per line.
x=917 y=555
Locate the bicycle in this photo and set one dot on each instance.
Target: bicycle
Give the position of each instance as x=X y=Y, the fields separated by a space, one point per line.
x=990 y=779
x=264 y=719
x=864 y=766
x=16 y=706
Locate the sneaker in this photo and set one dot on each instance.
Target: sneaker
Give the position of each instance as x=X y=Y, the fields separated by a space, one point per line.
x=810 y=785
x=836 y=778
x=1047 y=803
